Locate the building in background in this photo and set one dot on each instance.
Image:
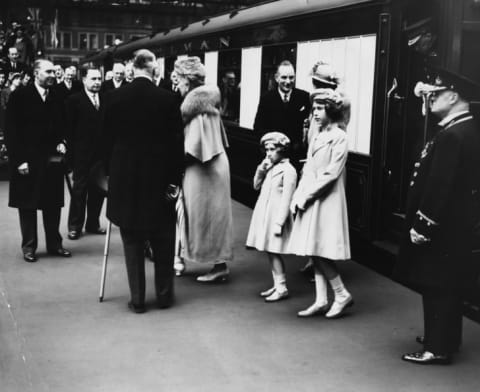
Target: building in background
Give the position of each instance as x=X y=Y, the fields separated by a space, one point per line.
x=66 y=31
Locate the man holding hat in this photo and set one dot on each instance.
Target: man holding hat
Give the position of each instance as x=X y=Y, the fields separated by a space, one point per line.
x=442 y=209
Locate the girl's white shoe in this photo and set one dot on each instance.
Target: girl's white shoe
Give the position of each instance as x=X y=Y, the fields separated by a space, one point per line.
x=277 y=295
x=338 y=308
x=268 y=292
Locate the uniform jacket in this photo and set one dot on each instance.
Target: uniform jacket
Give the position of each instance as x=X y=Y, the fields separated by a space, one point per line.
x=443 y=206
x=143 y=140
x=274 y=115
x=84 y=123
x=34 y=128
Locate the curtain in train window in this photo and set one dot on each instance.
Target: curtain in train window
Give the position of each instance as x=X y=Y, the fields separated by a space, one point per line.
x=161 y=67
x=250 y=92
x=211 y=66
x=354 y=61
x=229 y=78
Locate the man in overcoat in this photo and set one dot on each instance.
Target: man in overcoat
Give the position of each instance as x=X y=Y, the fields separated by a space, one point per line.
x=285 y=109
x=84 y=120
x=442 y=209
x=145 y=160
x=35 y=143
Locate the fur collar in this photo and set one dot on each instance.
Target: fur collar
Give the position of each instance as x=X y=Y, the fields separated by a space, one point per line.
x=201 y=100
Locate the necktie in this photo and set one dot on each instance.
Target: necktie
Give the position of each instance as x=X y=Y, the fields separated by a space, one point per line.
x=45 y=94
x=95 y=101
x=285 y=98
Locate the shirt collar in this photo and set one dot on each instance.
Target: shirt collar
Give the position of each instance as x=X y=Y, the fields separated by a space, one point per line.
x=117 y=84
x=452 y=117
x=282 y=94
x=41 y=90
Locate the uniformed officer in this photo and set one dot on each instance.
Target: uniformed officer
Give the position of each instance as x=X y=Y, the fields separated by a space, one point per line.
x=442 y=209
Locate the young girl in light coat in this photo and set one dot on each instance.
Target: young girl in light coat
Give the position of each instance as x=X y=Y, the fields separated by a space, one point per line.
x=271 y=220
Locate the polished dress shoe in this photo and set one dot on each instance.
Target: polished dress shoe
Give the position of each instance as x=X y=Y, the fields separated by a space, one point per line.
x=73 y=235
x=97 y=230
x=30 y=257
x=214 y=276
x=60 y=252
x=277 y=296
x=427 y=358
x=338 y=308
x=313 y=310
x=268 y=292
x=136 y=308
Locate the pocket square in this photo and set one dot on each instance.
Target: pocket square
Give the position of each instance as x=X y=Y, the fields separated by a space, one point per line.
x=302 y=108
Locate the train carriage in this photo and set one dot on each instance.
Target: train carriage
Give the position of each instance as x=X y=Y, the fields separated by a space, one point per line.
x=379 y=49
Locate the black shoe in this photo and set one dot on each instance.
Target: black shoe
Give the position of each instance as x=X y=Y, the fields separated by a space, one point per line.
x=136 y=308
x=97 y=230
x=60 y=252
x=73 y=235
x=427 y=358
x=164 y=303
x=30 y=257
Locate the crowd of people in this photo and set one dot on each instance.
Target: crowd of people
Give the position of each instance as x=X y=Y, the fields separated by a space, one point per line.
x=163 y=147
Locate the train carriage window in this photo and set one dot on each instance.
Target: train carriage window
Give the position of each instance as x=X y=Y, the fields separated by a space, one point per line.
x=228 y=80
x=353 y=59
x=272 y=56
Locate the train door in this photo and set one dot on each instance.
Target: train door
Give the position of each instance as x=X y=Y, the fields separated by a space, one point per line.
x=407 y=127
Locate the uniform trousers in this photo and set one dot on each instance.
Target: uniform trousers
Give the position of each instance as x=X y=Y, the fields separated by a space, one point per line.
x=162 y=241
x=28 y=226
x=442 y=313
x=85 y=196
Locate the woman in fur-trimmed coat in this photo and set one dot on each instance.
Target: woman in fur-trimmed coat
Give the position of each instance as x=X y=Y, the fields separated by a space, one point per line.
x=208 y=232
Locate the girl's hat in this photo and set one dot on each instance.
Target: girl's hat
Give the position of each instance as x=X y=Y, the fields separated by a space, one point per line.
x=277 y=138
x=327 y=95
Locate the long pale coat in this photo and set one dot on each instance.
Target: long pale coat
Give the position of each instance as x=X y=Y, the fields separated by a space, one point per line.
x=272 y=207
x=322 y=229
x=208 y=228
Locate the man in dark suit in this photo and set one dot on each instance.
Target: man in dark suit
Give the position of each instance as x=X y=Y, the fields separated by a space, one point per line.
x=68 y=86
x=118 y=79
x=35 y=143
x=442 y=209
x=144 y=145
x=83 y=114
x=13 y=64
x=284 y=109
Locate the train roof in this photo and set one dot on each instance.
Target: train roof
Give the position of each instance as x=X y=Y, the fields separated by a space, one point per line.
x=245 y=17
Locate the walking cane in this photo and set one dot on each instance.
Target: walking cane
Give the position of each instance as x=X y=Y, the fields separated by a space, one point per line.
x=105 y=257
x=101 y=180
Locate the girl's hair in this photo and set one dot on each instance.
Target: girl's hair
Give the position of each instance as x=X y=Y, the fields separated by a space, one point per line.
x=278 y=139
x=192 y=69
x=335 y=102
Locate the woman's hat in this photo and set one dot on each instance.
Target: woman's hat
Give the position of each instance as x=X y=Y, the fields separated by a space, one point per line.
x=324 y=74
